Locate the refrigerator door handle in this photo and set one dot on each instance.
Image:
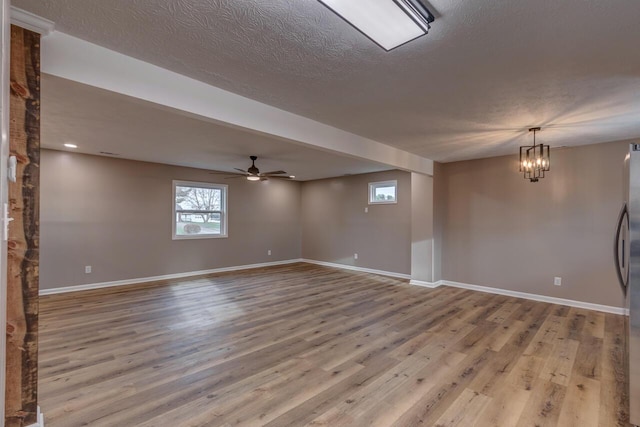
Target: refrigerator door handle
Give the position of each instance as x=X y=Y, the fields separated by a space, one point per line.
x=619 y=269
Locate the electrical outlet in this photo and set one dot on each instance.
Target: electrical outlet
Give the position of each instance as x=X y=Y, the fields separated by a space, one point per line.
x=355 y=256
x=366 y=210
x=87 y=269
x=557 y=281
x=269 y=252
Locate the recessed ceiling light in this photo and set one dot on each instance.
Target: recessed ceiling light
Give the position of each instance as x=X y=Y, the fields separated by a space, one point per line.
x=389 y=23
x=70 y=145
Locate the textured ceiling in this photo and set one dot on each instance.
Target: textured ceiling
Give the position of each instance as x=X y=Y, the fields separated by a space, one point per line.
x=486 y=72
x=98 y=120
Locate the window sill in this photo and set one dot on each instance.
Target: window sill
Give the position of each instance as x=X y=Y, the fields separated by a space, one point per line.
x=213 y=236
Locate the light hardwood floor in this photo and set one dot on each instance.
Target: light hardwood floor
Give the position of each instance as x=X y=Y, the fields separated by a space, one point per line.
x=306 y=345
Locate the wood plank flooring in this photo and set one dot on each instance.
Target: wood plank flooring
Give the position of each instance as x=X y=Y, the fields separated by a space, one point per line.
x=304 y=345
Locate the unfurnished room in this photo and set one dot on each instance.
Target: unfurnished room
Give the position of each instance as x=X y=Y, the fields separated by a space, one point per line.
x=284 y=213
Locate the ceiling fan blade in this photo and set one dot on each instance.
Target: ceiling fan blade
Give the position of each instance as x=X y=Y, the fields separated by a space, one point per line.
x=264 y=178
x=288 y=178
x=275 y=173
x=227 y=173
x=243 y=171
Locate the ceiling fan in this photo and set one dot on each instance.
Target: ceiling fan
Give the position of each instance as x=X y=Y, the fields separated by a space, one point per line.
x=253 y=173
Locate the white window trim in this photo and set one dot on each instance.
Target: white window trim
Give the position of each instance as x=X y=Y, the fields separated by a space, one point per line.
x=224 y=211
x=374 y=185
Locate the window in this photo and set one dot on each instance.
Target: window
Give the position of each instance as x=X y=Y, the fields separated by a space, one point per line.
x=199 y=210
x=383 y=192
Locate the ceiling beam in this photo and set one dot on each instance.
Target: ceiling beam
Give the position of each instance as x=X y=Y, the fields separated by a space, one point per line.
x=75 y=59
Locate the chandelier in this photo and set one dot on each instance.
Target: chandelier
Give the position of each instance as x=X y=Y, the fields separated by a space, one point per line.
x=534 y=159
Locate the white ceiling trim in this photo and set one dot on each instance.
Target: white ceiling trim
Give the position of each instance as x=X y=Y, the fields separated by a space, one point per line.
x=78 y=60
x=31 y=22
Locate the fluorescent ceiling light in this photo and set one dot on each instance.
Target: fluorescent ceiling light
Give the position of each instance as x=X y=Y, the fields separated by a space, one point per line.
x=70 y=145
x=389 y=23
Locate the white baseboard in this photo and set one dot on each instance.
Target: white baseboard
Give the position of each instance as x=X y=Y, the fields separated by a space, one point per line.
x=40 y=418
x=354 y=268
x=535 y=297
x=163 y=277
x=498 y=291
x=424 y=284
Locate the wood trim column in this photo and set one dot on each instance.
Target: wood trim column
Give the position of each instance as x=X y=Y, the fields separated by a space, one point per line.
x=23 y=246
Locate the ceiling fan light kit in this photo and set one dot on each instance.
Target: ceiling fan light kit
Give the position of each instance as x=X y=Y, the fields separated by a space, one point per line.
x=388 y=23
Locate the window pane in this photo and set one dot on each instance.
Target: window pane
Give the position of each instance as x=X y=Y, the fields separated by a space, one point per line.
x=199 y=210
x=195 y=198
x=190 y=224
x=385 y=194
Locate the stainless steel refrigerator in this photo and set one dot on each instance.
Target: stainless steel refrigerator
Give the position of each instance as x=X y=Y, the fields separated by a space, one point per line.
x=627 y=257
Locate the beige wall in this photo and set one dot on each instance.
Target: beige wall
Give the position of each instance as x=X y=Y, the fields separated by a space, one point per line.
x=115 y=215
x=502 y=231
x=335 y=225
x=490 y=227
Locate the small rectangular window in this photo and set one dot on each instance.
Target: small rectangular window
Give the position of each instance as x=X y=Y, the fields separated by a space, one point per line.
x=199 y=210
x=383 y=192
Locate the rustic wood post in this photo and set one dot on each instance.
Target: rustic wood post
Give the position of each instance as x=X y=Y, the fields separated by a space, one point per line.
x=23 y=245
